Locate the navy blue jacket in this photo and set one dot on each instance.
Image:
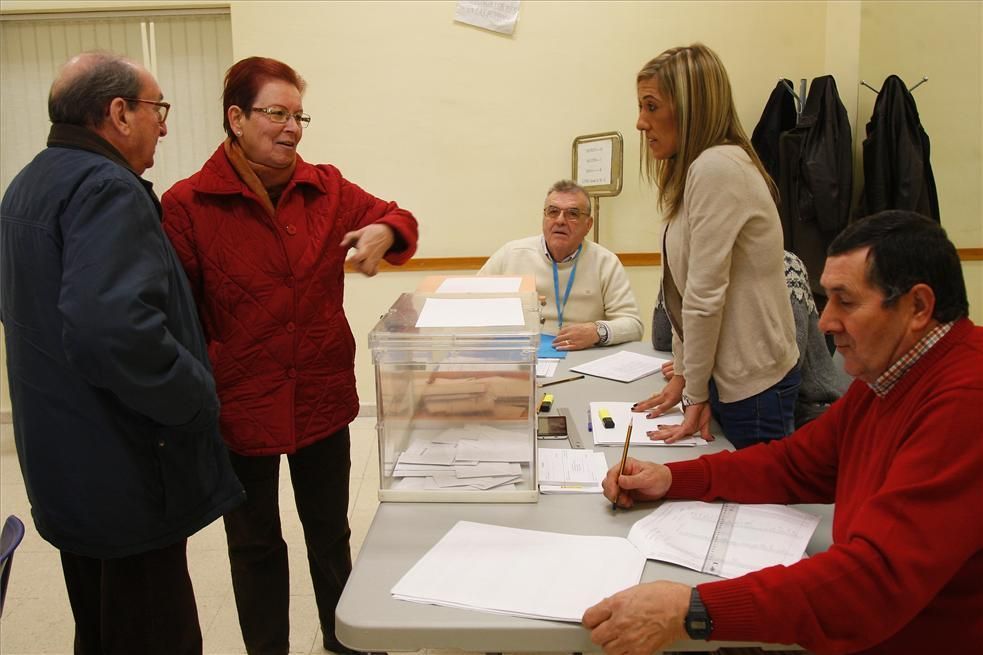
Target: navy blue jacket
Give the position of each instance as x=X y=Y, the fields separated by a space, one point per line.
x=114 y=405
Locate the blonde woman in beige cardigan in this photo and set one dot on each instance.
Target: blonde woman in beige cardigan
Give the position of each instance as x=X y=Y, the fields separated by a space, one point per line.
x=723 y=280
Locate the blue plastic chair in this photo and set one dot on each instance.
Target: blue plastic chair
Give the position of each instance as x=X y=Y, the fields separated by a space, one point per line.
x=10 y=538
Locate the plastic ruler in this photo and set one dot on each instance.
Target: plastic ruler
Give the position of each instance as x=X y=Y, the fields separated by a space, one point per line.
x=714 y=562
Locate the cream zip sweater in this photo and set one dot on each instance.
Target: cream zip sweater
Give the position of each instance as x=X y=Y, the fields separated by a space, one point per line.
x=601 y=290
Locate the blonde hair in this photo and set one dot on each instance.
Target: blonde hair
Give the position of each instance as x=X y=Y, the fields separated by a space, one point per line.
x=694 y=82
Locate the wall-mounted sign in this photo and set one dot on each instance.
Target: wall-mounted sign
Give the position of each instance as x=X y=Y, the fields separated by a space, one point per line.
x=597 y=162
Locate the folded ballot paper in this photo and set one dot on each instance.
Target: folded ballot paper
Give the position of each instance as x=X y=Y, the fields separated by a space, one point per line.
x=548 y=575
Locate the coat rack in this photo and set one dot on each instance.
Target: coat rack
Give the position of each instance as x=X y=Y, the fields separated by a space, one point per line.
x=800 y=97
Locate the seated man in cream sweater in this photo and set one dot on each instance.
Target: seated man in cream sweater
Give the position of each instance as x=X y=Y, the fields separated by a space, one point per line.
x=589 y=301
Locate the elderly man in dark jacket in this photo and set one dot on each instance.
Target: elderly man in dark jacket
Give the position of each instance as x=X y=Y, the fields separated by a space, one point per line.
x=114 y=406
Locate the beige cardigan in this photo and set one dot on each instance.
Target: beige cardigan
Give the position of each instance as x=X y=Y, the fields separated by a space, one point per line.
x=724 y=282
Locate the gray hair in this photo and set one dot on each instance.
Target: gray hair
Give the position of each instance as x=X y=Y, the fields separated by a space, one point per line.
x=567 y=186
x=87 y=84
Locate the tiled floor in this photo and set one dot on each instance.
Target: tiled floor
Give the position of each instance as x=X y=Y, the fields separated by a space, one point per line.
x=37 y=618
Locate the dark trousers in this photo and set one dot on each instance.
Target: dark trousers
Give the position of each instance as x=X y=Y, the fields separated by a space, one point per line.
x=762 y=417
x=138 y=604
x=258 y=553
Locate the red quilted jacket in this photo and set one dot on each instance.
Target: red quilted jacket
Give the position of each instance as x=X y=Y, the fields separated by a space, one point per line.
x=271 y=307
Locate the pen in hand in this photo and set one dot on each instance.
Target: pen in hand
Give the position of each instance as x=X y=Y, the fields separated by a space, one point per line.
x=621 y=469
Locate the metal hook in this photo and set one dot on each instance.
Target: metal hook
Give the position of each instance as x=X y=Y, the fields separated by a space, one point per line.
x=788 y=85
x=923 y=80
x=918 y=84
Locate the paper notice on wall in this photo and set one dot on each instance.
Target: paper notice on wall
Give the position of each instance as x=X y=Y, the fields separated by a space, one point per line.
x=495 y=15
x=594 y=163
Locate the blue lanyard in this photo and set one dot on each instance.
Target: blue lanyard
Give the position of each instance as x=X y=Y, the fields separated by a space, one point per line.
x=556 y=286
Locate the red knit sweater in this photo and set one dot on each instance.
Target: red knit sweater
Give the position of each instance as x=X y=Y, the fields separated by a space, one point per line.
x=905 y=571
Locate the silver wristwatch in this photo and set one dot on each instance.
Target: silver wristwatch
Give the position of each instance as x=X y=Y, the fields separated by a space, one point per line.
x=603 y=333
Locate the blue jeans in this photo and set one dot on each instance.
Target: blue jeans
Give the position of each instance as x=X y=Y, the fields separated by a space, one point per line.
x=762 y=417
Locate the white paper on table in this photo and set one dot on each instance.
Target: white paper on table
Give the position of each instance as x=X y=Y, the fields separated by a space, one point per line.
x=681 y=532
x=528 y=573
x=622 y=366
x=641 y=425
x=546 y=368
x=470 y=312
x=476 y=284
x=566 y=466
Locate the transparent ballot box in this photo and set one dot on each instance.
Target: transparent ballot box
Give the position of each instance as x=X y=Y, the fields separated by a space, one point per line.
x=455 y=396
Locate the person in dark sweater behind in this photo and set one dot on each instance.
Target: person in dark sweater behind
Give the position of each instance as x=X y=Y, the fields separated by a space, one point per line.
x=899 y=454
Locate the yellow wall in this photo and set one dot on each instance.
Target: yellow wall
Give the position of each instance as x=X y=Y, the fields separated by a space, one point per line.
x=467 y=128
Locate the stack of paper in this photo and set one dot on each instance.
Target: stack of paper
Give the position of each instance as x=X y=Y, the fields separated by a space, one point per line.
x=546 y=575
x=563 y=470
x=623 y=366
x=641 y=425
x=475 y=457
x=539 y=575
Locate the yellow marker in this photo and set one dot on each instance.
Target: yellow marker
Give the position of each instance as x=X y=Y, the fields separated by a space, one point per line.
x=606 y=418
x=546 y=404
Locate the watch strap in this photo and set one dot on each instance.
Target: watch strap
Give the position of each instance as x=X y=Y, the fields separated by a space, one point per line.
x=698 y=623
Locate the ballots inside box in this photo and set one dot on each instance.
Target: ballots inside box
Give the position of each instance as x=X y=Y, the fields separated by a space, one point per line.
x=455 y=394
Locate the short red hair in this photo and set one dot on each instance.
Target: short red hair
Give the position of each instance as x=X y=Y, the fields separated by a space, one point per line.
x=245 y=78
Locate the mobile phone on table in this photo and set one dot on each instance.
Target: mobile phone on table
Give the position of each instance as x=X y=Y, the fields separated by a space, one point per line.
x=552 y=427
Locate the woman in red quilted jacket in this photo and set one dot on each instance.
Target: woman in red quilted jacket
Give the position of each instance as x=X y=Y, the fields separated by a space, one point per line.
x=263 y=237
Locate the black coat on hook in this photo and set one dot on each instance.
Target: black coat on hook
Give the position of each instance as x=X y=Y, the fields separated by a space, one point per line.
x=815 y=179
x=897 y=170
x=778 y=117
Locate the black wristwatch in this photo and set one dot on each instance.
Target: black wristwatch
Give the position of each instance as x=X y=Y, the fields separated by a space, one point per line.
x=698 y=623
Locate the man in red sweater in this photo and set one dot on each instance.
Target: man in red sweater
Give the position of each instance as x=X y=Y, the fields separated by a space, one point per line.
x=900 y=454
